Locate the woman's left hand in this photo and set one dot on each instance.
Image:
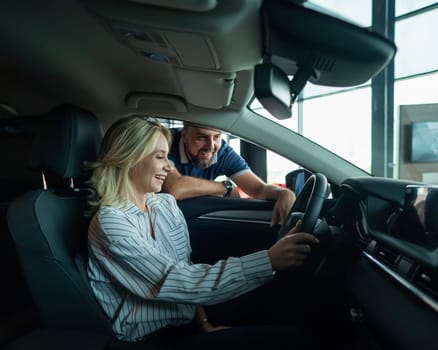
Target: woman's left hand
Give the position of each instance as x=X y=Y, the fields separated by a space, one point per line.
x=208 y=327
x=204 y=324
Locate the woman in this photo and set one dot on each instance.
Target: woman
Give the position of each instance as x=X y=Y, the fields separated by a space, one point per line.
x=139 y=251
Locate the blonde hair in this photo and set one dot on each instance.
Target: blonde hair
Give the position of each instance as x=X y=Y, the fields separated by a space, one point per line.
x=124 y=145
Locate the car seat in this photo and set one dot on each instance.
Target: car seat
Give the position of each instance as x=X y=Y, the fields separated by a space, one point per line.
x=49 y=229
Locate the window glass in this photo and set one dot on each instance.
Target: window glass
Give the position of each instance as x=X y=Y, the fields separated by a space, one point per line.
x=358 y=11
x=312 y=90
x=417 y=46
x=405 y=6
x=290 y=123
x=277 y=168
x=234 y=142
x=417 y=90
x=342 y=123
x=422 y=89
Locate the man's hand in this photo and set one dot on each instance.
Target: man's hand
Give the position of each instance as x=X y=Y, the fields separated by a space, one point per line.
x=285 y=200
x=234 y=193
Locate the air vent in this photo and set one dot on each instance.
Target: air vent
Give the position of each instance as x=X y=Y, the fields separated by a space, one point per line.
x=427 y=281
x=386 y=256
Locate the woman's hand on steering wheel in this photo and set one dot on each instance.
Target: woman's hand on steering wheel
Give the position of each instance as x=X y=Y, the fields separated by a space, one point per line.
x=291 y=251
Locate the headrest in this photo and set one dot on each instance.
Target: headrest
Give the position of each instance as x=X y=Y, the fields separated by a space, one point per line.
x=67 y=138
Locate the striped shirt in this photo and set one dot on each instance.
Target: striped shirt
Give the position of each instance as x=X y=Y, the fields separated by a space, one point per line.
x=144 y=284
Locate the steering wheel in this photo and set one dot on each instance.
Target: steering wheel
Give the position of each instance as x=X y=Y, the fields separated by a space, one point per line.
x=307 y=206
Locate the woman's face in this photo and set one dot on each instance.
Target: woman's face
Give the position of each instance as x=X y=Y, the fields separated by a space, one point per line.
x=149 y=174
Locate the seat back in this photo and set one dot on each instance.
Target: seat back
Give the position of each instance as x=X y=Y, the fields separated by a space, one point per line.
x=49 y=226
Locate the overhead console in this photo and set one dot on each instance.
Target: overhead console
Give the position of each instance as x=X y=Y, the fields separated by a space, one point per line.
x=203 y=44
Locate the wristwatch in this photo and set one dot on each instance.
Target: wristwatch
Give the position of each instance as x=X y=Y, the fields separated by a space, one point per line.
x=229 y=186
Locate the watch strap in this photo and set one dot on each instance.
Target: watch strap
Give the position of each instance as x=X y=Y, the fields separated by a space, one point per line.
x=229 y=186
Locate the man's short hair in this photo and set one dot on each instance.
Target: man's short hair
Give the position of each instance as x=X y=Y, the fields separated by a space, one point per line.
x=187 y=124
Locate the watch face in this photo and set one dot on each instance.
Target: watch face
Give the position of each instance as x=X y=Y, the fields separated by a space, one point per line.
x=228 y=185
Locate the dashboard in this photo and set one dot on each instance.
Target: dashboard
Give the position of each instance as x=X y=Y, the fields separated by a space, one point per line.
x=391 y=279
x=395 y=280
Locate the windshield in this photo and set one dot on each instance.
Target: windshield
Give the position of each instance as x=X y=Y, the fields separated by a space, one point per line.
x=371 y=125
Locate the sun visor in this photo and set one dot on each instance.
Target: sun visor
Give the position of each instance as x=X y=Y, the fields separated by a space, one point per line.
x=207 y=89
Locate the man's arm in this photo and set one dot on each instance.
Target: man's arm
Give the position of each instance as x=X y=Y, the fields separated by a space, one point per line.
x=182 y=187
x=251 y=184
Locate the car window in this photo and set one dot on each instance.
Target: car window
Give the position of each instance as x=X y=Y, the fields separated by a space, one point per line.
x=277 y=167
x=335 y=124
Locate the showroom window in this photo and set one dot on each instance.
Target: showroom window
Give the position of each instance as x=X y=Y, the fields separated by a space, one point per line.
x=416 y=81
x=406 y=6
x=327 y=118
x=417 y=45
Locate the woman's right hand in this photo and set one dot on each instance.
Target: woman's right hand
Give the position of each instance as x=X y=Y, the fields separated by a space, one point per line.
x=291 y=250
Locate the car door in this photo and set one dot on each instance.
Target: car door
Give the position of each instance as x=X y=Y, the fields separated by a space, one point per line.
x=221 y=227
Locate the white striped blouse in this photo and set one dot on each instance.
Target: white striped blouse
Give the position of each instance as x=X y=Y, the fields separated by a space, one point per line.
x=144 y=284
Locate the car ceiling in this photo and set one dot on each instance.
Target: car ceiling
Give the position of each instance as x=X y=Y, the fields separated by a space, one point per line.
x=189 y=60
x=108 y=56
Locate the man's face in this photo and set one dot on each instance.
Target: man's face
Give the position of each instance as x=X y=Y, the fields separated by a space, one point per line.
x=201 y=144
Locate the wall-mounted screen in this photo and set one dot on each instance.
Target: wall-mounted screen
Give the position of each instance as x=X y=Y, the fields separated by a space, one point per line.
x=424 y=141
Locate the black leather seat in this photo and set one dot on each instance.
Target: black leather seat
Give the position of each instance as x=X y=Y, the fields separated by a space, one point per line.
x=49 y=229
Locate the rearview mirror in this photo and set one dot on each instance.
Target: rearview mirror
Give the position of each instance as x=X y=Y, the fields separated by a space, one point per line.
x=272 y=89
x=275 y=91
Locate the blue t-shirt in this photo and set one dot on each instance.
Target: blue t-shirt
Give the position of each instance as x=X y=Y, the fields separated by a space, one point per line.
x=228 y=162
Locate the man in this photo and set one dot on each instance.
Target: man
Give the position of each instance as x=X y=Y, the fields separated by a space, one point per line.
x=200 y=155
